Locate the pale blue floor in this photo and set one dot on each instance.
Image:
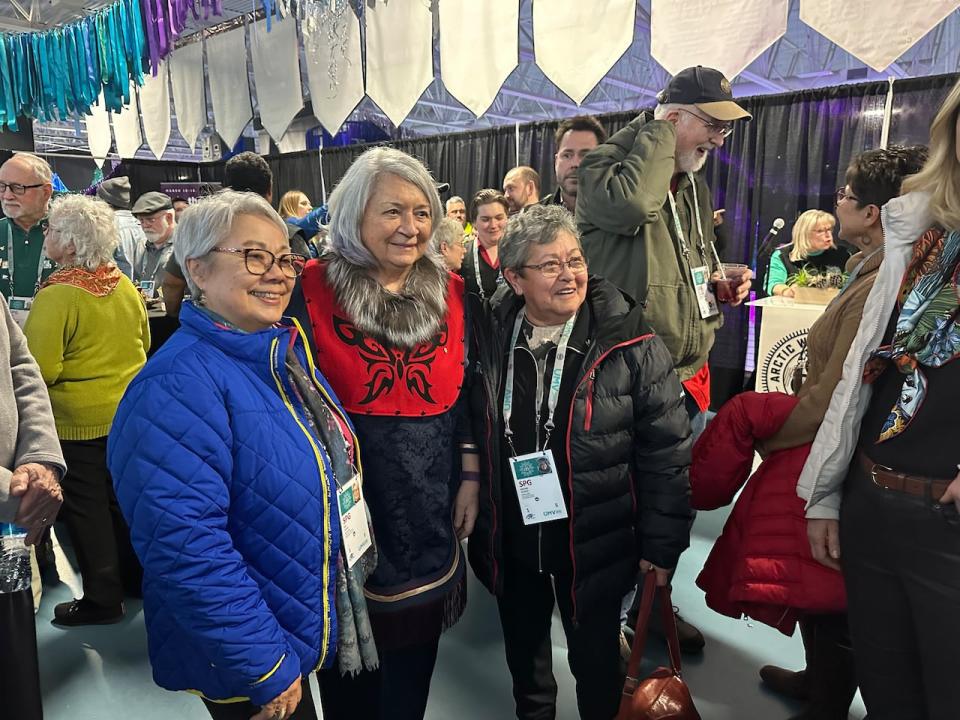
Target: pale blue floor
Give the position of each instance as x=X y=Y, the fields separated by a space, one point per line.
x=102 y=672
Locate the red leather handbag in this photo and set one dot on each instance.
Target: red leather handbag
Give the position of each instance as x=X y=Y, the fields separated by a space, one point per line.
x=663 y=695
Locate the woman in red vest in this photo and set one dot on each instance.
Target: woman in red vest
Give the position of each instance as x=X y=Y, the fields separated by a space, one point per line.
x=388 y=323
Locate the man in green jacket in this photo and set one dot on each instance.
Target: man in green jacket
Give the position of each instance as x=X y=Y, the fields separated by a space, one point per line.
x=646 y=218
x=25 y=190
x=646 y=214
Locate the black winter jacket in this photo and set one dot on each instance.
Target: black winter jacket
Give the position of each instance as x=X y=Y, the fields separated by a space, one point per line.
x=626 y=441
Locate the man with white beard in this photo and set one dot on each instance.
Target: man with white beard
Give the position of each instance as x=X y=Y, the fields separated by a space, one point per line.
x=25 y=189
x=646 y=217
x=156 y=215
x=646 y=214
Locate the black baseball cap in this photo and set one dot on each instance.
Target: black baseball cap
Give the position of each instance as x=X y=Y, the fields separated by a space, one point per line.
x=706 y=88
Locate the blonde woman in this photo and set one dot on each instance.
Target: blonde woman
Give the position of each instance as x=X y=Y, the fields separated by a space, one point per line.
x=812 y=245
x=294 y=205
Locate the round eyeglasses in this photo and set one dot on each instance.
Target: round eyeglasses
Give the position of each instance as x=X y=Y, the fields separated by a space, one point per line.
x=259 y=262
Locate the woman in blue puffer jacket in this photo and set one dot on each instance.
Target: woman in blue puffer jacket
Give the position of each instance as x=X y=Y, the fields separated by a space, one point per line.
x=227 y=453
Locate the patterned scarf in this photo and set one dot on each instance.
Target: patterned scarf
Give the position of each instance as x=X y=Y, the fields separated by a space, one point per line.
x=356 y=649
x=927 y=333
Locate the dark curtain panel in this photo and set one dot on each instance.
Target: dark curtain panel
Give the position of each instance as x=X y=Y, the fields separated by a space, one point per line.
x=915 y=102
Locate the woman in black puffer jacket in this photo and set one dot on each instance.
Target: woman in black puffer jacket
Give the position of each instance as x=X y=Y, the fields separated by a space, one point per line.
x=618 y=439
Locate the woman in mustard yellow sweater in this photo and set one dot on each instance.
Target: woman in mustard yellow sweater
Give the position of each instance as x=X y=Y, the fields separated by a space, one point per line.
x=88 y=331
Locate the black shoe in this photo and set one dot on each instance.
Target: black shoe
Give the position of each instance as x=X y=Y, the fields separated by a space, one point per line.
x=83 y=612
x=786 y=682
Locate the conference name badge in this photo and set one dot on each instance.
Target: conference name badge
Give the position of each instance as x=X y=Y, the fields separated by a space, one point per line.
x=20 y=308
x=705 y=297
x=354 y=530
x=538 y=487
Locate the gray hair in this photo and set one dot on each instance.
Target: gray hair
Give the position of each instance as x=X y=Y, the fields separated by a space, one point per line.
x=664 y=109
x=454 y=199
x=538 y=225
x=39 y=166
x=349 y=199
x=448 y=231
x=207 y=223
x=89 y=224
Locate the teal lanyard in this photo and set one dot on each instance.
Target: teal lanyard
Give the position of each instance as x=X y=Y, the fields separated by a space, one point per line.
x=554 y=395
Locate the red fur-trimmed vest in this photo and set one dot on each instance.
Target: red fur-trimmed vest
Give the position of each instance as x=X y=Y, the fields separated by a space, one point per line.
x=372 y=378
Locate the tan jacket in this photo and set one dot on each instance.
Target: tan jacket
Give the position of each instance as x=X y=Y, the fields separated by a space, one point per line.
x=828 y=341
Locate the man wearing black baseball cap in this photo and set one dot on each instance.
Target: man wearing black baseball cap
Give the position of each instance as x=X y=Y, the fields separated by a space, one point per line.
x=646 y=217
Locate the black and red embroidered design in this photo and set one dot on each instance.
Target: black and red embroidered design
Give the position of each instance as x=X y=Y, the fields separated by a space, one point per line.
x=388 y=368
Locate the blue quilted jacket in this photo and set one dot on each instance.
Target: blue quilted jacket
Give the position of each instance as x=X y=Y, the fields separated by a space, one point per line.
x=228 y=497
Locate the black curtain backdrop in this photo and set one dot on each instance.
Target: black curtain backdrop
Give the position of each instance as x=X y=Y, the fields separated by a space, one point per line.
x=791 y=157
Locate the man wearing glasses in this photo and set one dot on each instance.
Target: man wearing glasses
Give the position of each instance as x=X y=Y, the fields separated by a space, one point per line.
x=154 y=211
x=25 y=190
x=647 y=221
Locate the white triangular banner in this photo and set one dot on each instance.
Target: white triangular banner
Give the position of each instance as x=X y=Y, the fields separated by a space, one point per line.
x=186 y=77
x=399 y=55
x=229 y=84
x=155 y=110
x=576 y=42
x=334 y=71
x=126 y=127
x=876 y=32
x=684 y=33
x=276 y=72
x=98 y=132
x=475 y=77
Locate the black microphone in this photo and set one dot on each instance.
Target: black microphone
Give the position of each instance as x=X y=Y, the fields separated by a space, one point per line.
x=768 y=239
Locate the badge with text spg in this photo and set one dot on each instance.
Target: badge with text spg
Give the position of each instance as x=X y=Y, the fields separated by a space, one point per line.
x=353 y=520
x=538 y=487
x=705 y=297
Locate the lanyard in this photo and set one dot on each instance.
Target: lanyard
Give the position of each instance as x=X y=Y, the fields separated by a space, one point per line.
x=554 y=395
x=676 y=223
x=10 y=262
x=476 y=268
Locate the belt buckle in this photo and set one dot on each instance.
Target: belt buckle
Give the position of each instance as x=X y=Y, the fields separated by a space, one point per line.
x=873 y=474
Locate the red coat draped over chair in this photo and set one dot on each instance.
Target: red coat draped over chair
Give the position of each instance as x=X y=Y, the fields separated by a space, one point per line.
x=761 y=565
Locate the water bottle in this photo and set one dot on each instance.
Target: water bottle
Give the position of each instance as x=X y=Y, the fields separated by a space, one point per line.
x=14 y=559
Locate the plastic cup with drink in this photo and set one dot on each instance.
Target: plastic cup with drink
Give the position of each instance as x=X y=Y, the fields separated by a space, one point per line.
x=727 y=280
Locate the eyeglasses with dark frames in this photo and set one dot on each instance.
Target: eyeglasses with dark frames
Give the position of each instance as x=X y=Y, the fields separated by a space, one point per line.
x=553 y=268
x=17 y=188
x=259 y=262
x=724 y=130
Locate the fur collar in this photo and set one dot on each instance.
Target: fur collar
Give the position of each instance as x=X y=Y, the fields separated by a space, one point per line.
x=401 y=320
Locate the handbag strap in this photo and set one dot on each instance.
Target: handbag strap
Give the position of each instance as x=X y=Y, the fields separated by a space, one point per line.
x=643 y=626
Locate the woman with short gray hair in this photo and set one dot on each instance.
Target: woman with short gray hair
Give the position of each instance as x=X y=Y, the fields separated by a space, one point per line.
x=388 y=328
x=450 y=243
x=233 y=499
x=584 y=457
x=88 y=331
x=205 y=225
